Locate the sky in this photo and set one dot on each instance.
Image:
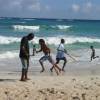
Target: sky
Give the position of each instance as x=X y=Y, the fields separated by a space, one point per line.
x=67 y=9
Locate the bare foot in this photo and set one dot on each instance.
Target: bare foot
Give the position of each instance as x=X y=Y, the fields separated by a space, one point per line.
x=27 y=78
x=60 y=70
x=63 y=70
x=42 y=71
x=51 y=69
x=23 y=80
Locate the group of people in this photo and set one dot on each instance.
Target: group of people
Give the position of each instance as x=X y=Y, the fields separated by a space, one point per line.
x=61 y=51
x=25 y=55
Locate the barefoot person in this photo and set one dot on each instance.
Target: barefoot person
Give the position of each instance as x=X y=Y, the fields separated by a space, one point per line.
x=93 y=53
x=46 y=56
x=24 y=55
x=61 y=54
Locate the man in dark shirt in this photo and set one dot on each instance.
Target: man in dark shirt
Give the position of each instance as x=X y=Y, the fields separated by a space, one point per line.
x=24 y=55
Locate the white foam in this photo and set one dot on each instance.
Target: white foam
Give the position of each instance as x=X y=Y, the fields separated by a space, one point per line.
x=51 y=40
x=61 y=27
x=8 y=40
x=9 y=54
x=68 y=40
x=82 y=40
x=25 y=27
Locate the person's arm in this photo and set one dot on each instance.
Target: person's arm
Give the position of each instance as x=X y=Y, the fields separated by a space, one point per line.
x=65 y=51
x=39 y=50
x=49 y=52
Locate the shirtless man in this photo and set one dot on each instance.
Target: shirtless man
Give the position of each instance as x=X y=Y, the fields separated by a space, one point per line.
x=47 y=56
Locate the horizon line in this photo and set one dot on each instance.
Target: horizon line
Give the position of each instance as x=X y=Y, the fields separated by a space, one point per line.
x=53 y=18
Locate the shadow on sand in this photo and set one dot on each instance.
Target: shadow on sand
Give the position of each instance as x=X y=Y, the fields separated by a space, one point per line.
x=7 y=80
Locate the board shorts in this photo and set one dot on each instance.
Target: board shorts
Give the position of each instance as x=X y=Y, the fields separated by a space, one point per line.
x=64 y=58
x=25 y=63
x=46 y=57
x=60 y=55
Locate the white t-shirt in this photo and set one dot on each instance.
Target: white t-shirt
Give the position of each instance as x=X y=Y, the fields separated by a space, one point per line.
x=60 y=51
x=61 y=47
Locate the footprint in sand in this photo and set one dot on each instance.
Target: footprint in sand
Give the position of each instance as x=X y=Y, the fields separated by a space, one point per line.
x=83 y=96
x=76 y=98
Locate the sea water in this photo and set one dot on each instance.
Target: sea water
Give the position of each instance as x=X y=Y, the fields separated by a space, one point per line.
x=79 y=35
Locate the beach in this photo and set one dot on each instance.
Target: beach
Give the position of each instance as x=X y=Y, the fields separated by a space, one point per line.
x=50 y=88
x=80 y=81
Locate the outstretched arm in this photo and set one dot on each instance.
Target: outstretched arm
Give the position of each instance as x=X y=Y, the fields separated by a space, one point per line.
x=39 y=50
x=49 y=52
x=65 y=51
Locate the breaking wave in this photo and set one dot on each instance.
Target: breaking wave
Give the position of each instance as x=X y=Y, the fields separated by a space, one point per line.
x=51 y=40
x=8 y=40
x=25 y=27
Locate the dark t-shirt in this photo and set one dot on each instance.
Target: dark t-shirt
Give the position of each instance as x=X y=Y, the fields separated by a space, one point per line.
x=24 y=53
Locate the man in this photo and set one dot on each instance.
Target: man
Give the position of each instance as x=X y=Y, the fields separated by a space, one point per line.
x=93 y=53
x=61 y=54
x=46 y=56
x=24 y=55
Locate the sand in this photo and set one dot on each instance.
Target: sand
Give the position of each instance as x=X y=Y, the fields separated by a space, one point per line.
x=81 y=81
x=50 y=88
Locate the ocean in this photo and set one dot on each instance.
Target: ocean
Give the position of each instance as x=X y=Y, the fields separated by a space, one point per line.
x=79 y=35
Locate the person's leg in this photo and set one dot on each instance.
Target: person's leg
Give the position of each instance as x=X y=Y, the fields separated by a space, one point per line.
x=22 y=75
x=97 y=57
x=54 y=64
x=23 y=69
x=26 y=71
x=57 y=61
x=41 y=62
x=91 y=58
x=65 y=61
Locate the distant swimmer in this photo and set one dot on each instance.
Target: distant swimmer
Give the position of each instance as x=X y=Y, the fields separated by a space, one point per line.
x=93 y=53
x=47 y=56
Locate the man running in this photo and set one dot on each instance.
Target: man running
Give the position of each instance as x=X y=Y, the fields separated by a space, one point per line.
x=93 y=53
x=61 y=54
x=46 y=56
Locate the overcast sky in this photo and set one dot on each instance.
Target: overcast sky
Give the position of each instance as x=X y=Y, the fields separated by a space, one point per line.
x=69 y=9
